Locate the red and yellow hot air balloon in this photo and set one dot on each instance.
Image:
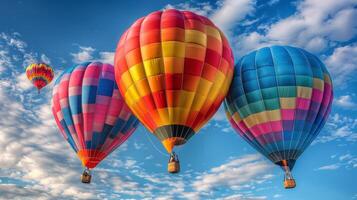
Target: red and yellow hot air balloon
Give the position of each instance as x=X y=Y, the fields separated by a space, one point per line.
x=40 y=74
x=173 y=69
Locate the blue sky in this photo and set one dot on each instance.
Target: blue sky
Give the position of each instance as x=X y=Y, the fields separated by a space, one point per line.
x=36 y=163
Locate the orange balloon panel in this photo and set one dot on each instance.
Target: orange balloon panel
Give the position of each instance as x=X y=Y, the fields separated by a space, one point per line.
x=173 y=69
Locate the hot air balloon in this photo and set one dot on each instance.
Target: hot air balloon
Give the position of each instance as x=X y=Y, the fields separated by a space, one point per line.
x=278 y=102
x=173 y=69
x=40 y=74
x=90 y=113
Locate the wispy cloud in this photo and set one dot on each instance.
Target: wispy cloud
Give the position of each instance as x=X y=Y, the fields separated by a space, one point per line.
x=23 y=83
x=5 y=60
x=84 y=54
x=225 y=14
x=243 y=197
x=348 y=161
x=88 y=54
x=230 y=12
x=106 y=57
x=45 y=59
x=343 y=63
x=314 y=26
x=14 y=41
x=33 y=153
x=236 y=173
x=220 y=115
x=138 y=146
x=9 y=191
x=273 y=2
x=338 y=128
x=346 y=101
x=329 y=167
x=201 y=8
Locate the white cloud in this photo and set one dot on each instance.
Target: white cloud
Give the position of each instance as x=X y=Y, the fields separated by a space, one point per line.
x=138 y=146
x=341 y=133
x=122 y=185
x=347 y=161
x=329 y=167
x=107 y=57
x=338 y=128
x=33 y=153
x=331 y=20
x=220 y=115
x=343 y=63
x=273 y=2
x=14 y=41
x=84 y=54
x=89 y=54
x=9 y=191
x=201 y=8
x=220 y=121
x=5 y=60
x=29 y=58
x=228 y=130
x=242 y=197
x=345 y=157
x=237 y=173
x=249 y=41
x=231 y=12
x=23 y=83
x=45 y=59
x=13 y=49
x=346 y=101
x=226 y=14
x=314 y=26
x=130 y=163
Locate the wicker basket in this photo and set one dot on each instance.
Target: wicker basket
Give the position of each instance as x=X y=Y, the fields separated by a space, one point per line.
x=86 y=178
x=173 y=167
x=289 y=183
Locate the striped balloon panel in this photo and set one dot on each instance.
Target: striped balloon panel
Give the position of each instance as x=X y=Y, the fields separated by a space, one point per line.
x=39 y=74
x=173 y=68
x=90 y=112
x=279 y=100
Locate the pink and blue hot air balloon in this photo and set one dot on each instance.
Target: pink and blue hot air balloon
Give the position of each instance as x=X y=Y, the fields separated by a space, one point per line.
x=278 y=102
x=90 y=112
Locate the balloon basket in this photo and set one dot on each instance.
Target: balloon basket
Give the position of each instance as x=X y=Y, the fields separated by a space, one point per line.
x=289 y=183
x=173 y=167
x=86 y=177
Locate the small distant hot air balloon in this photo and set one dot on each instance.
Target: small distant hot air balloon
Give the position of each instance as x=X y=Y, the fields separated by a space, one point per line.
x=173 y=69
x=90 y=113
x=278 y=102
x=40 y=74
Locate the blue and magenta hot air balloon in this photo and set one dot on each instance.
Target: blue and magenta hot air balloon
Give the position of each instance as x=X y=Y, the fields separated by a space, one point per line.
x=279 y=100
x=90 y=112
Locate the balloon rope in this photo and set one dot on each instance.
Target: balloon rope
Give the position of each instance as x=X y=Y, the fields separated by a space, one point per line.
x=158 y=150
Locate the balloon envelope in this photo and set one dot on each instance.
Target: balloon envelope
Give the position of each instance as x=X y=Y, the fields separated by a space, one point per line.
x=173 y=69
x=279 y=100
x=90 y=112
x=39 y=74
